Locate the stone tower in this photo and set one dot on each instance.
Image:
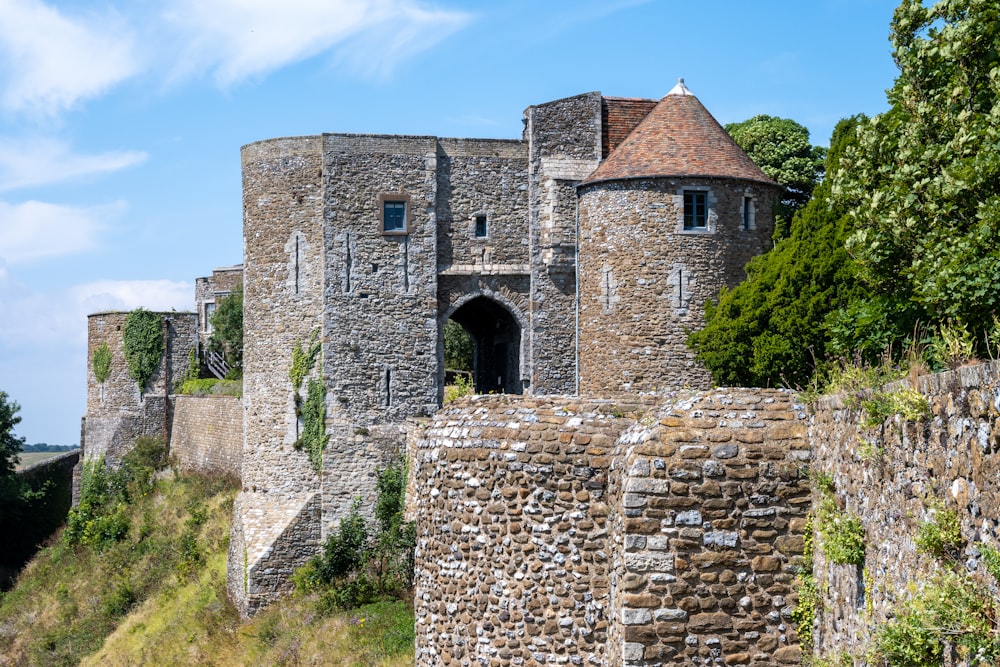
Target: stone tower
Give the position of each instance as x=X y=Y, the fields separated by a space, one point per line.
x=671 y=216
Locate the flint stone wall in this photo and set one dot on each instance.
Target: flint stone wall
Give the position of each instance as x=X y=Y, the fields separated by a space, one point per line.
x=890 y=475
x=550 y=534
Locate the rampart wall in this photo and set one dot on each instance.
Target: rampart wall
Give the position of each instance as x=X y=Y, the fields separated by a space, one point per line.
x=590 y=532
x=207 y=434
x=891 y=475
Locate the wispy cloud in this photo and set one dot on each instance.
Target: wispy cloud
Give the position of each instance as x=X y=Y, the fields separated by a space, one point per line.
x=238 y=39
x=50 y=60
x=40 y=161
x=36 y=319
x=36 y=230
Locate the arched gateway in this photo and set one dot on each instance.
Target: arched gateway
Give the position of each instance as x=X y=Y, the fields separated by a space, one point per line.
x=575 y=256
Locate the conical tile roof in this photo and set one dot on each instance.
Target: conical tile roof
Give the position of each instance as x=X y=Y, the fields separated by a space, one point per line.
x=679 y=137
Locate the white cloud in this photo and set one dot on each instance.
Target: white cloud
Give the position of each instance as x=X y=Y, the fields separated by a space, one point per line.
x=49 y=61
x=39 y=161
x=238 y=39
x=32 y=319
x=161 y=295
x=36 y=230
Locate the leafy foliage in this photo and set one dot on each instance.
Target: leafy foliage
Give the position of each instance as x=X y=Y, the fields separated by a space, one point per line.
x=10 y=444
x=361 y=563
x=772 y=328
x=809 y=598
x=922 y=185
x=143 y=343
x=314 y=437
x=458 y=347
x=940 y=535
x=461 y=387
x=303 y=360
x=227 y=329
x=212 y=387
x=781 y=148
x=101 y=360
x=841 y=533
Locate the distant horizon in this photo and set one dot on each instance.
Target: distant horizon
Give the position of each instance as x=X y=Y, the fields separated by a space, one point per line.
x=121 y=123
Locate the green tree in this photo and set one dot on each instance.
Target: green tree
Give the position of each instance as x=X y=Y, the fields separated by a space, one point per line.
x=458 y=347
x=10 y=445
x=781 y=148
x=922 y=185
x=227 y=329
x=772 y=328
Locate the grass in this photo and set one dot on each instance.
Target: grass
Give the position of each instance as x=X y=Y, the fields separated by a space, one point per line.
x=158 y=597
x=31 y=458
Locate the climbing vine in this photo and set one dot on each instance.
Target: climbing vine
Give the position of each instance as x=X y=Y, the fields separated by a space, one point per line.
x=312 y=410
x=303 y=361
x=143 y=337
x=314 y=437
x=101 y=361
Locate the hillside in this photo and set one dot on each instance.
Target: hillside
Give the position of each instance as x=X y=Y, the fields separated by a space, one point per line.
x=143 y=583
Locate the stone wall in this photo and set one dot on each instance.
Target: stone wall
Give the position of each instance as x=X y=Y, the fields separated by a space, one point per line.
x=891 y=475
x=576 y=531
x=117 y=412
x=644 y=279
x=564 y=148
x=206 y=434
x=708 y=533
x=513 y=559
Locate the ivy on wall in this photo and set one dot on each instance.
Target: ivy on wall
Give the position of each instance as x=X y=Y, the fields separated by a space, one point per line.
x=101 y=361
x=314 y=437
x=312 y=410
x=143 y=338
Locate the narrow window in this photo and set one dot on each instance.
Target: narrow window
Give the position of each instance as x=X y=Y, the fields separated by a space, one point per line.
x=695 y=209
x=394 y=216
x=388 y=388
x=480 y=226
x=296 y=264
x=209 y=311
x=747 y=213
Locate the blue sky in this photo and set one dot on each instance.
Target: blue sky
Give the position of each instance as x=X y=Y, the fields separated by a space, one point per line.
x=121 y=121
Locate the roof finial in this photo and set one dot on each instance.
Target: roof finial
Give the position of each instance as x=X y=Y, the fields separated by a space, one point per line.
x=680 y=88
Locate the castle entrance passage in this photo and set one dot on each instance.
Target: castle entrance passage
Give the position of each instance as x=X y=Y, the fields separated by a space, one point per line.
x=496 y=339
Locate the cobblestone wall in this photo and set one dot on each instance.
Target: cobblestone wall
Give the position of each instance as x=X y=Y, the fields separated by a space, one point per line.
x=890 y=475
x=206 y=434
x=550 y=534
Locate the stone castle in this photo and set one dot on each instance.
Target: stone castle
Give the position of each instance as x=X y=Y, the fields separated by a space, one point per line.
x=604 y=506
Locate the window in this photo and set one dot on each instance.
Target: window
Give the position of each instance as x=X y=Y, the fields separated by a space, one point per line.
x=209 y=311
x=480 y=226
x=394 y=216
x=695 y=209
x=747 y=213
x=394 y=212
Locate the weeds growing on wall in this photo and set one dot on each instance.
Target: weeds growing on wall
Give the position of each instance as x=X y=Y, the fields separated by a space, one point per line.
x=804 y=614
x=313 y=411
x=909 y=404
x=143 y=343
x=211 y=387
x=842 y=536
x=101 y=361
x=363 y=562
x=951 y=617
x=303 y=361
x=462 y=387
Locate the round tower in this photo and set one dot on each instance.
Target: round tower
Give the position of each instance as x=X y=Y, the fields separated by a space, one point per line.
x=669 y=218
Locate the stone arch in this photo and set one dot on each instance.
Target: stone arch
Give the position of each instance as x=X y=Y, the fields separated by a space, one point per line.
x=497 y=326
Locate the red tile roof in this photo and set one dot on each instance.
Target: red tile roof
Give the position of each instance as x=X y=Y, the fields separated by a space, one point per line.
x=679 y=137
x=619 y=116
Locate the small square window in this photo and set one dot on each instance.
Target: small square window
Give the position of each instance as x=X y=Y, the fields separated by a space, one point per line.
x=695 y=209
x=481 y=227
x=393 y=216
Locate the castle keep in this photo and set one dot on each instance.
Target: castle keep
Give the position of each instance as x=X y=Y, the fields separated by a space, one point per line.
x=576 y=257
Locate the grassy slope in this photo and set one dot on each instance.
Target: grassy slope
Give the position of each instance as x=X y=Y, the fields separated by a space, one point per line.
x=158 y=598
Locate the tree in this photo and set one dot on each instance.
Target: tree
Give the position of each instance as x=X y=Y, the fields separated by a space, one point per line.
x=10 y=445
x=227 y=329
x=458 y=347
x=781 y=148
x=772 y=328
x=922 y=185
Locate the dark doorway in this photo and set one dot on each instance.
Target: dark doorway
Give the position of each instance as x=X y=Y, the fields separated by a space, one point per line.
x=496 y=338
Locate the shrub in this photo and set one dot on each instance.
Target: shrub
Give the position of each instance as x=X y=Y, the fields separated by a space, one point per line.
x=941 y=534
x=212 y=387
x=101 y=361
